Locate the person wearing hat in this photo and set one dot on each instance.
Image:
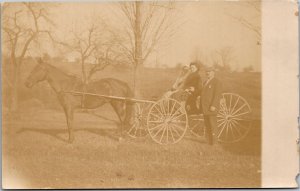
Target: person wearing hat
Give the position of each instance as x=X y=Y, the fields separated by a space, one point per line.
x=192 y=85
x=210 y=101
x=179 y=83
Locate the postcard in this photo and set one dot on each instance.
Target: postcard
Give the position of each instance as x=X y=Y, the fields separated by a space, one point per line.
x=150 y=94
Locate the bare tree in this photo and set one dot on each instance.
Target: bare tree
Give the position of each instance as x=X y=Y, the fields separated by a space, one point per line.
x=22 y=24
x=105 y=55
x=146 y=25
x=94 y=47
x=255 y=6
x=83 y=43
x=226 y=57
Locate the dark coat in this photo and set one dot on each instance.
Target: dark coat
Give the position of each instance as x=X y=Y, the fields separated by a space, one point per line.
x=193 y=80
x=210 y=96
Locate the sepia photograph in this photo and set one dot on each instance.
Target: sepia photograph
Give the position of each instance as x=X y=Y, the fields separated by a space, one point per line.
x=131 y=94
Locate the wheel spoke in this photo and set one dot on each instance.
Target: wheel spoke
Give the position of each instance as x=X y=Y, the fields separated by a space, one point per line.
x=220 y=116
x=168 y=108
x=172 y=127
x=237 y=115
x=159 y=117
x=223 y=127
x=222 y=109
x=227 y=129
x=235 y=103
x=172 y=108
x=132 y=127
x=167 y=127
x=194 y=126
x=237 y=124
x=159 y=111
x=158 y=131
x=179 y=127
x=176 y=117
x=222 y=119
x=155 y=121
x=151 y=129
x=230 y=103
x=135 y=131
x=236 y=128
x=171 y=133
x=162 y=135
x=222 y=112
x=175 y=112
x=232 y=118
x=162 y=107
x=239 y=109
x=240 y=125
x=231 y=129
x=222 y=123
x=168 y=124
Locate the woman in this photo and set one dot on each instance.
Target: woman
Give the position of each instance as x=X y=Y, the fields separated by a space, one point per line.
x=193 y=85
x=179 y=83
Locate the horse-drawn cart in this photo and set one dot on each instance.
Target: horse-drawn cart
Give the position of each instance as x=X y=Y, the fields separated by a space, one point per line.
x=166 y=120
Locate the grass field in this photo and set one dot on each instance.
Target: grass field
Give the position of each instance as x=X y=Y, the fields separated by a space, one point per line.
x=37 y=155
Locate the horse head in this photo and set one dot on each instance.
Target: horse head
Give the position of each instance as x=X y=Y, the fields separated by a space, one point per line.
x=38 y=74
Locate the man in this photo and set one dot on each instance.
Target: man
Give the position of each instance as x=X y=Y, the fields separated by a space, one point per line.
x=193 y=85
x=210 y=101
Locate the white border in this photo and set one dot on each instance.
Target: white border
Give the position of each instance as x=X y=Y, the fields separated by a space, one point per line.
x=280 y=159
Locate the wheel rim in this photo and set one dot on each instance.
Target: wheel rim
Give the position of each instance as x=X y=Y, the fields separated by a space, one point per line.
x=138 y=128
x=196 y=125
x=167 y=121
x=233 y=118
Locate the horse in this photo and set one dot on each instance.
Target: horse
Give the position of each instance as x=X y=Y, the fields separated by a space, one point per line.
x=63 y=84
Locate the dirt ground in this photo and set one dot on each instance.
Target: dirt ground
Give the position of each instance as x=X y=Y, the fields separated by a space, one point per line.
x=36 y=155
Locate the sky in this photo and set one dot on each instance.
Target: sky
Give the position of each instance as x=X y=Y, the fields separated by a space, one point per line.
x=205 y=27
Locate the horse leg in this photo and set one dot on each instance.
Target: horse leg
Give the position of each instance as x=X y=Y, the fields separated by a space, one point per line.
x=69 y=116
x=119 y=107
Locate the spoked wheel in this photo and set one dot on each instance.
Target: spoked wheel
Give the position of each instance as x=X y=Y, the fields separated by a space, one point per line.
x=196 y=125
x=233 y=118
x=167 y=121
x=139 y=124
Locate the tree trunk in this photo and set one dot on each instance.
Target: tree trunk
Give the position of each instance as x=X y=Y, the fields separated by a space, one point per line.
x=134 y=80
x=138 y=44
x=15 y=87
x=84 y=81
x=83 y=72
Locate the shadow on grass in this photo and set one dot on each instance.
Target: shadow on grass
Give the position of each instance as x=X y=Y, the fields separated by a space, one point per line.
x=111 y=133
x=250 y=145
x=100 y=116
x=52 y=132
x=193 y=138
